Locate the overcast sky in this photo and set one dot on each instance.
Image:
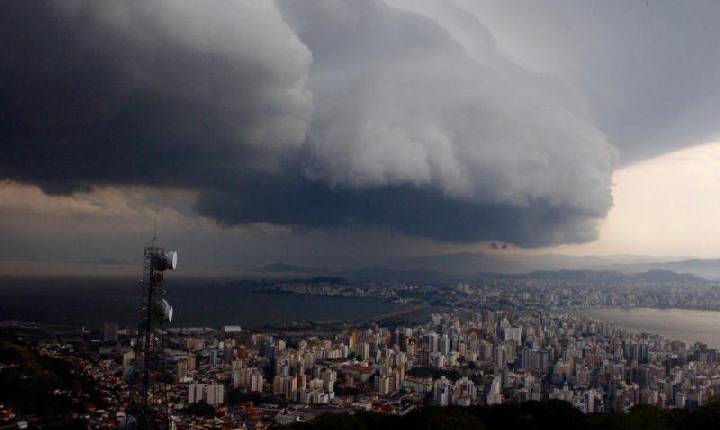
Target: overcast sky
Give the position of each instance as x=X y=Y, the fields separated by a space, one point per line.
x=324 y=131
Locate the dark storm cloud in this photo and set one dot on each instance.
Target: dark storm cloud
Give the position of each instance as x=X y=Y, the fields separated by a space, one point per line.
x=646 y=70
x=473 y=149
x=135 y=93
x=407 y=209
x=322 y=114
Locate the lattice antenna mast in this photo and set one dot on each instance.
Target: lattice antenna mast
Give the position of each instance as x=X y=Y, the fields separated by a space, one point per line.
x=148 y=396
x=155 y=230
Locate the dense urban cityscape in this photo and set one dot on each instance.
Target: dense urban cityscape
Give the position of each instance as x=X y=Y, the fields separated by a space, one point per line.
x=495 y=342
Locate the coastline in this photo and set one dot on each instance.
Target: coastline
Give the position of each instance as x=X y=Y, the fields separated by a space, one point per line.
x=687 y=325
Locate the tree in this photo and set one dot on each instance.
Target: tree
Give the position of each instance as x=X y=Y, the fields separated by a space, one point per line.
x=199 y=409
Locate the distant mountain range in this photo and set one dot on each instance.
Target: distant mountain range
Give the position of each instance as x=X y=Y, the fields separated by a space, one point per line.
x=708 y=269
x=468 y=266
x=470 y=263
x=288 y=268
x=604 y=277
x=423 y=276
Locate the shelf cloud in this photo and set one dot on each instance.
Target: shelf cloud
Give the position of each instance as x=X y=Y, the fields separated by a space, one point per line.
x=405 y=116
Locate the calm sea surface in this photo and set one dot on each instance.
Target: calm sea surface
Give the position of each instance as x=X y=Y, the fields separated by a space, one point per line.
x=678 y=324
x=195 y=302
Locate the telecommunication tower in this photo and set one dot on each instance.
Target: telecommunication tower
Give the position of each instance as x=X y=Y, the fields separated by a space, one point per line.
x=148 y=402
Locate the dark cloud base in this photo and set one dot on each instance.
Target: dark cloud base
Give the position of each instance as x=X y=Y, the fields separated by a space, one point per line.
x=411 y=210
x=85 y=103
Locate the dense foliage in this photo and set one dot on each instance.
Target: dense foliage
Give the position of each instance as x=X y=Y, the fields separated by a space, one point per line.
x=239 y=396
x=41 y=387
x=200 y=409
x=435 y=372
x=551 y=415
